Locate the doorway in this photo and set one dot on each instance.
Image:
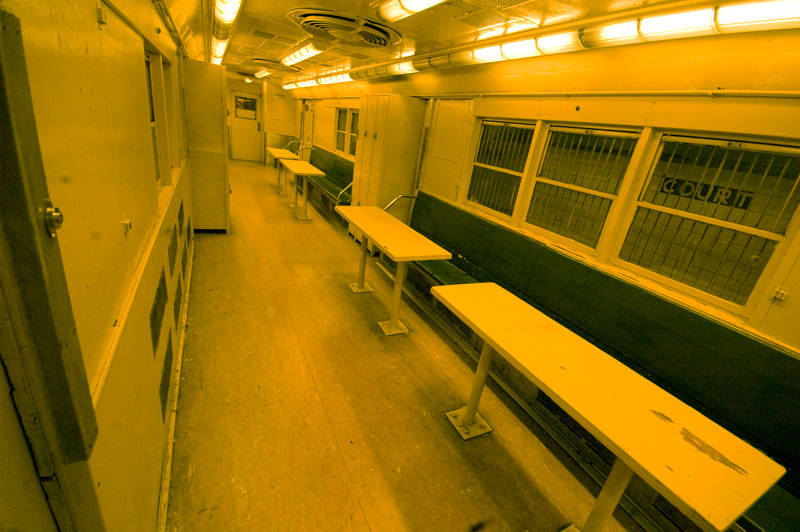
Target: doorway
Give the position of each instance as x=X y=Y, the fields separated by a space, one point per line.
x=247 y=135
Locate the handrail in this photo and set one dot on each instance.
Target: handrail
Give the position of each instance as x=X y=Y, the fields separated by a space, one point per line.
x=338 y=196
x=292 y=142
x=301 y=148
x=397 y=198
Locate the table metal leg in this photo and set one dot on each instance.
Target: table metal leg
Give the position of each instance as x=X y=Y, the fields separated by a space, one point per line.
x=294 y=186
x=304 y=216
x=394 y=325
x=282 y=172
x=467 y=420
x=361 y=286
x=608 y=499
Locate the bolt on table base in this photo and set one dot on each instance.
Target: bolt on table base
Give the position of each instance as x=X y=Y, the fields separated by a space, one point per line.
x=477 y=428
x=365 y=287
x=389 y=329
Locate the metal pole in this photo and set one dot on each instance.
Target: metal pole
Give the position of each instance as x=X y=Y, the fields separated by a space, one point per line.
x=305 y=197
x=362 y=266
x=477 y=384
x=399 y=278
x=609 y=496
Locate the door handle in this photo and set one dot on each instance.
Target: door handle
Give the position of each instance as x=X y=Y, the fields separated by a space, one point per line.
x=259 y=126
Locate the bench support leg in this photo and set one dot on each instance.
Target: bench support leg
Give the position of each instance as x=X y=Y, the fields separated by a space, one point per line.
x=467 y=420
x=361 y=286
x=303 y=216
x=608 y=499
x=294 y=186
x=394 y=325
x=282 y=173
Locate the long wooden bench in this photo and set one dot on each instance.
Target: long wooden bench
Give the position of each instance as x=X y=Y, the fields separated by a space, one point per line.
x=711 y=475
x=337 y=182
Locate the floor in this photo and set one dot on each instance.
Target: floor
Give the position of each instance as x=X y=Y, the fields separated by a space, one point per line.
x=296 y=413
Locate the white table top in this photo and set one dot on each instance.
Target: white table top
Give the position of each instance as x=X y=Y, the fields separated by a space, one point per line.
x=280 y=153
x=301 y=168
x=393 y=237
x=704 y=470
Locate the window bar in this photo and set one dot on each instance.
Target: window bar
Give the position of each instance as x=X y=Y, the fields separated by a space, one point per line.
x=652 y=243
x=713 y=252
x=690 y=258
x=724 y=258
x=788 y=197
x=637 y=250
x=772 y=192
x=573 y=154
x=716 y=175
x=728 y=186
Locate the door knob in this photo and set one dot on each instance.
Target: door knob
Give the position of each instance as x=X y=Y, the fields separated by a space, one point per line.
x=53 y=218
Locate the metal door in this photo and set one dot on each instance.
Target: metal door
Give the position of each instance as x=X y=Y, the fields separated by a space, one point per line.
x=247 y=135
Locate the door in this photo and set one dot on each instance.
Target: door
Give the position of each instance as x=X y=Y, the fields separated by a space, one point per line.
x=39 y=347
x=247 y=136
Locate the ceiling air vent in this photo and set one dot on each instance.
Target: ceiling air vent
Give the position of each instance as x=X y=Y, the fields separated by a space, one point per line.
x=344 y=28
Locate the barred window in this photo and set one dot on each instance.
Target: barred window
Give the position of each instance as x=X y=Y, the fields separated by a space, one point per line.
x=579 y=178
x=712 y=213
x=499 y=165
x=346 y=130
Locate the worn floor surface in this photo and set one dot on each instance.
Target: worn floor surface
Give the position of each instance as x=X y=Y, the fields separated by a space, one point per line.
x=296 y=413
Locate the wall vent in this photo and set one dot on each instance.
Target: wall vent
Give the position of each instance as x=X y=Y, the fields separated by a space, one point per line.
x=185 y=258
x=173 y=251
x=157 y=311
x=263 y=34
x=177 y=303
x=166 y=374
x=674 y=515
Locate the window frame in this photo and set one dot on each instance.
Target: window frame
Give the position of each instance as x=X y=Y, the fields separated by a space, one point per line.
x=350 y=137
x=635 y=201
x=616 y=199
x=471 y=162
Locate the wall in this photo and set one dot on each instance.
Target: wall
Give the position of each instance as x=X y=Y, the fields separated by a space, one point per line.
x=279 y=122
x=91 y=106
x=325 y=120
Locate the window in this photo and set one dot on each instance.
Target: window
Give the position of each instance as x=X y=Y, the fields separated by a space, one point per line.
x=499 y=165
x=712 y=213
x=346 y=130
x=579 y=178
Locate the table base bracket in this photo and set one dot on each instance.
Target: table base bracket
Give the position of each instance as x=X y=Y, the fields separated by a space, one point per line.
x=388 y=330
x=304 y=218
x=477 y=428
x=356 y=290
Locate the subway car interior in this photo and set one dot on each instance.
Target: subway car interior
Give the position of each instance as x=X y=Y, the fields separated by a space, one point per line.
x=400 y=265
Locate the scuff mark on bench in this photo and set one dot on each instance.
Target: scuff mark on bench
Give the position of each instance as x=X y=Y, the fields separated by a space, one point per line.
x=703 y=447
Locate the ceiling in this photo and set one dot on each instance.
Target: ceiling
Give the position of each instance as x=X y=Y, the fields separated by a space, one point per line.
x=266 y=29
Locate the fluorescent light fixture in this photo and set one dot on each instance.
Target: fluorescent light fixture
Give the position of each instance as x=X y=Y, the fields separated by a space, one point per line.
x=461 y=58
x=307 y=83
x=557 y=43
x=615 y=34
x=248 y=80
x=520 y=49
x=287 y=86
x=301 y=52
x=225 y=13
x=336 y=78
x=488 y=54
x=394 y=10
x=754 y=16
x=676 y=25
x=406 y=67
x=262 y=73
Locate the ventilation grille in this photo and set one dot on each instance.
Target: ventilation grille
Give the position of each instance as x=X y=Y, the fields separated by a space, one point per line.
x=173 y=250
x=263 y=34
x=166 y=373
x=674 y=515
x=344 y=28
x=157 y=311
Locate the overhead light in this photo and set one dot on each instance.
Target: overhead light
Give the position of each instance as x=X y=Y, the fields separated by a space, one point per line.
x=307 y=83
x=461 y=58
x=262 y=73
x=753 y=16
x=248 y=80
x=615 y=34
x=559 y=42
x=394 y=10
x=406 y=67
x=520 y=49
x=288 y=86
x=488 y=54
x=301 y=52
x=676 y=25
x=336 y=78
x=225 y=13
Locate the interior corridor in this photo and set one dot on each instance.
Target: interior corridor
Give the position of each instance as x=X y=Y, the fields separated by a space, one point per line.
x=296 y=413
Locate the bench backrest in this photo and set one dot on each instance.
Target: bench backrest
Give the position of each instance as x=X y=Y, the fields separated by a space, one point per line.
x=338 y=170
x=740 y=382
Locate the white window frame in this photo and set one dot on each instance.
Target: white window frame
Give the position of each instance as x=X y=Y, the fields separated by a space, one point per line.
x=765 y=280
x=471 y=163
x=534 y=178
x=350 y=138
